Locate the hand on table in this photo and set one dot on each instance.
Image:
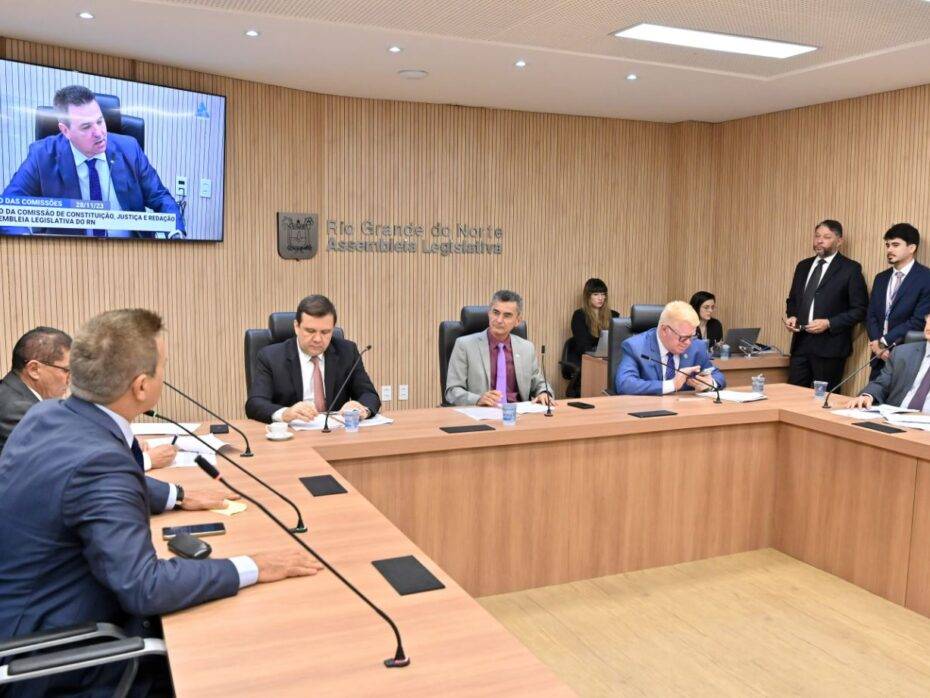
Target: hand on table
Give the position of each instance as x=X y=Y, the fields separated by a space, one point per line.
x=303 y=410
x=200 y=500
x=492 y=398
x=275 y=566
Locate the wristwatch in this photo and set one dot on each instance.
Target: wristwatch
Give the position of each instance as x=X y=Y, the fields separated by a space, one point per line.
x=180 y=496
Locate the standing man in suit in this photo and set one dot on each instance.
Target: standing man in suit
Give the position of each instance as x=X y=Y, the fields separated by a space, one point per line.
x=85 y=162
x=828 y=298
x=674 y=345
x=904 y=380
x=297 y=379
x=900 y=295
x=492 y=367
x=74 y=508
x=40 y=370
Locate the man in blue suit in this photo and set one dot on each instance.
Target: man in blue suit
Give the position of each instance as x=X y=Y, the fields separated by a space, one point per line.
x=673 y=345
x=86 y=162
x=900 y=297
x=74 y=509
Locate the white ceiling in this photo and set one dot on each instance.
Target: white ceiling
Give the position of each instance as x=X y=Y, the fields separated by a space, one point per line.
x=469 y=48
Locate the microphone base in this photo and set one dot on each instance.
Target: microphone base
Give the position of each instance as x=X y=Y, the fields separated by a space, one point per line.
x=718 y=401
x=299 y=529
x=550 y=414
x=325 y=430
x=247 y=453
x=394 y=663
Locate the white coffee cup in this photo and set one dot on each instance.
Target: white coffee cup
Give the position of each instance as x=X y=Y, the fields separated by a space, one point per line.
x=277 y=430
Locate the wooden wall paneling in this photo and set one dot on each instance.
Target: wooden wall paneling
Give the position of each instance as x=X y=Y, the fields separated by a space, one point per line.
x=918 y=577
x=845 y=508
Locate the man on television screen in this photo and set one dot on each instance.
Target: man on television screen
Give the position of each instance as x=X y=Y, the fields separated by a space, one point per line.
x=85 y=162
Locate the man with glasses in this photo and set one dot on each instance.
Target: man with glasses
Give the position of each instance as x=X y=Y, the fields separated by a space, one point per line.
x=40 y=371
x=671 y=347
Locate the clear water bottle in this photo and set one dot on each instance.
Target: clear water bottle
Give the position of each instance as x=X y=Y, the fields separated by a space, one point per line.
x=724 y=351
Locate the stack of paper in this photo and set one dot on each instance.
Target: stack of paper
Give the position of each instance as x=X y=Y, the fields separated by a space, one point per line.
x=492 y=413
x=153 y=428
x=190 y=444
x=185 y=459
x=335 y=422
x=733 y=396
x=854 y=413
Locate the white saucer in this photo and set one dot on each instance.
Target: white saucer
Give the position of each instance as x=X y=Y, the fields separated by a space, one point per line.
x=288 y=435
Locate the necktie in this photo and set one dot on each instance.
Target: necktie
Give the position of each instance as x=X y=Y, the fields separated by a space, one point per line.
x=920 y=397
x=137 y=453
x=669 y=367
x=95 y=192
x=501 y=383
x=319 y=396
x=808 y=299
x=898 y=275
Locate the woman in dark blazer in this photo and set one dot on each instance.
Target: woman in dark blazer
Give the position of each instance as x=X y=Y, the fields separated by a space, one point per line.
x=705 y=305
x=587 y=323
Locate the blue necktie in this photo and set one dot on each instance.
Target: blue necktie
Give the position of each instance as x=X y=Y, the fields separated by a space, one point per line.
x=669 y=367
x=95 y=193
x=137 y=453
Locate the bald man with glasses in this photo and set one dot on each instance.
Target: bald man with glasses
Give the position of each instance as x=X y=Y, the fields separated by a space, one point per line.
x=673 y=350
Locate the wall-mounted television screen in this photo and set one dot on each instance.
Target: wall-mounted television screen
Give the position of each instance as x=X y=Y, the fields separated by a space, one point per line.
x=89 y=156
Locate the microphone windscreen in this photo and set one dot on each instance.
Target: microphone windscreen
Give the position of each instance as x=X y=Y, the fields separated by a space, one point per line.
x=207 y=467
x=150 y=413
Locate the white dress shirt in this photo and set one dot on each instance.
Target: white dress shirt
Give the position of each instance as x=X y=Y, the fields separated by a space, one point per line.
x=306 y=377
x=245 y=566
x=823 y=273
x=924 y=366
x=107 y=190
x=891 y=284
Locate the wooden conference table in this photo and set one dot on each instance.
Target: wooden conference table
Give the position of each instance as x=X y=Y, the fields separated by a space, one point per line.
x=579 y=495
x=739 y=371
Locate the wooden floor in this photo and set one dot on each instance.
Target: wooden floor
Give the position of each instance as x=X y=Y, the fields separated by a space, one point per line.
x=752 y=624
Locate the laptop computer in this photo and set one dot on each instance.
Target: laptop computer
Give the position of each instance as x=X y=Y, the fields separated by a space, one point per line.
x=603 y=346
x=738 y=338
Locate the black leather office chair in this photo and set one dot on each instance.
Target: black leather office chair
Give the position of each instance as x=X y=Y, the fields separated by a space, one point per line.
x=914 y=336
x=473 y=318
x=280 y=329
x=117 y=122
x=643 y=316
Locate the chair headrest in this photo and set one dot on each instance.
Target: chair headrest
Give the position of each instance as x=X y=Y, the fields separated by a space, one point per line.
x=281 y=326
x=644 y=316
x=474 y=318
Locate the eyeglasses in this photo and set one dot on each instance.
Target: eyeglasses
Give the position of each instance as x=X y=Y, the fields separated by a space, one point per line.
x=681 y=337
x=60 y=368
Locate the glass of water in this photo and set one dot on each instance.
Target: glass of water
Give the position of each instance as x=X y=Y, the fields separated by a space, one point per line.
x=509 y=411
x=351 y=419
x=820 y=389
x=758 y=384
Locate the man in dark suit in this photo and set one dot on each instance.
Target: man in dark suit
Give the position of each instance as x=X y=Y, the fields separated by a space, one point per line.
x=904 y=380
x=828 y=298
x=74 y=509
x=900 y=295
x=40 y=370
x=85 y=162
x=297 y=379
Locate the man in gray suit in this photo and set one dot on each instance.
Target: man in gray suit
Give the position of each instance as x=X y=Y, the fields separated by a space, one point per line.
x=40 y=371
x=905 y=378
x=491 y=367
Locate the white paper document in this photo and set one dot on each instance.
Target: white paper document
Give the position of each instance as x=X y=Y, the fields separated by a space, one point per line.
x=492 y=413
x=185 y=459
x=734 y=396
x=853 y=413
x=155 y=428
x=190 y=444
x=335 y=422
x=376 y=421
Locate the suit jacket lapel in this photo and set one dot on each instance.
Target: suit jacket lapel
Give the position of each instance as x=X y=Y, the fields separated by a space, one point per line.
x=16 y=384
x=833 y=269
x=909 y=279
x=66 y=170
x=521 y=363
x=293 y=369
x=484 y=349
x=331 y=356
x=652 y=348
x=97 y=416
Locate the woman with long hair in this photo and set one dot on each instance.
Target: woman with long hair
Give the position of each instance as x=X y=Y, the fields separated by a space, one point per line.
x=705 y=305
x=588 y=322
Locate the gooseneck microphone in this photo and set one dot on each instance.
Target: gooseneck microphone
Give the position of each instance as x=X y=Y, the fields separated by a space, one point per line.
x=299 y=528
x=549 y=387
x=694 y=377
x=247 y=453
x=400 y=659
x=342 y=387
x=826 y=401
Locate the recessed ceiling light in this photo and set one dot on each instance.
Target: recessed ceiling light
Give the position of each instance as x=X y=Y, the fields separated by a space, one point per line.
x=412 y=74
x=520 y=63
x=712 y=41
x=85 y=15
x=395 y=49
x=632 y=76
x=252 y=33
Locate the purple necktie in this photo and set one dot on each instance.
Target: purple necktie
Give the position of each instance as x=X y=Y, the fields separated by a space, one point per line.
x=920 y=397
x=96 y=194
x=501 y=386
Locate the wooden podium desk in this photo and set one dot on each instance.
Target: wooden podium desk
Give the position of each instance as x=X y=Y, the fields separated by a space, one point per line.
x=579 y=495
x=739 y=371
